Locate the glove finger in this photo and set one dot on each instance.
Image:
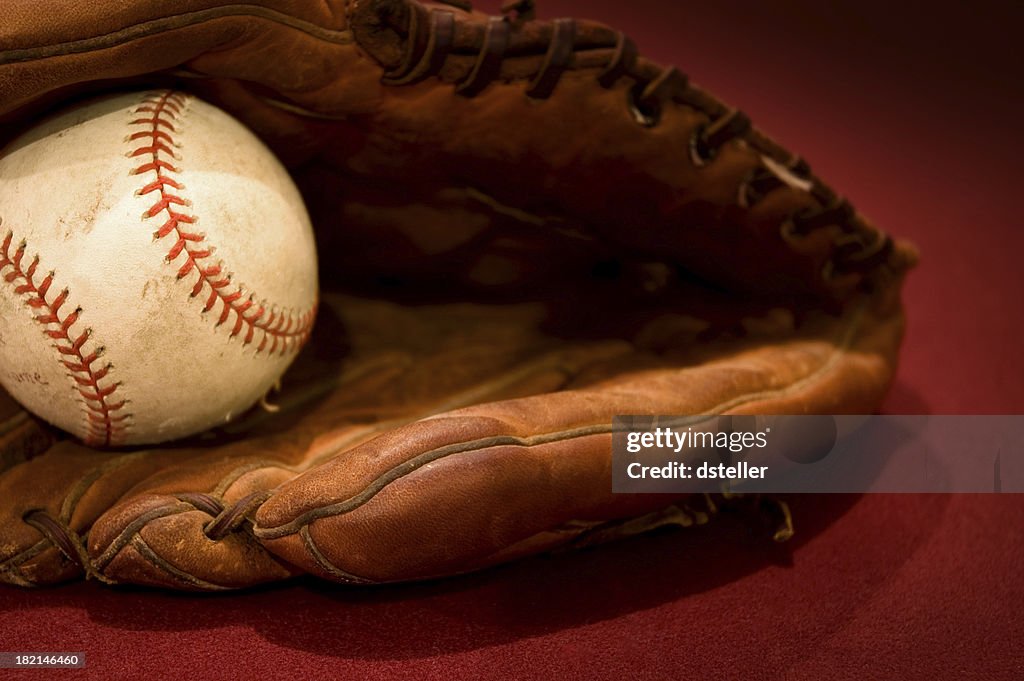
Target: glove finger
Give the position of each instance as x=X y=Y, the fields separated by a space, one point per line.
x=477 y=486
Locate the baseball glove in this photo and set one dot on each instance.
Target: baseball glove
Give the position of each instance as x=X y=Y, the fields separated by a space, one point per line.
x=525 y=228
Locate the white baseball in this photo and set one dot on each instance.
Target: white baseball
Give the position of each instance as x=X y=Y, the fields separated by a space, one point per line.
x=157 y=269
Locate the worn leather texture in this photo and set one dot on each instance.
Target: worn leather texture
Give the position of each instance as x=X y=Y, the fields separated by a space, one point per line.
x=525 y=227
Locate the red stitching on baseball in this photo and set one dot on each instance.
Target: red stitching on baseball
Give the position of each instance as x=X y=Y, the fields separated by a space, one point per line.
x=159 y=113
x=104 y=427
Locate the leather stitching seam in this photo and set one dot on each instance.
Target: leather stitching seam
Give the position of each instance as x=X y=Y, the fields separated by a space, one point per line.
x=156 y=123
x=103 y=422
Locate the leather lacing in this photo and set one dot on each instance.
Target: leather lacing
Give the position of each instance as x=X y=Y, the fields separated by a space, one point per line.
x=431 y=38
x=67 y=541
x=225 y=519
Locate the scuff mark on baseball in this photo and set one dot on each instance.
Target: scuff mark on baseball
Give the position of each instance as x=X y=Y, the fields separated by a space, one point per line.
x=157 y=268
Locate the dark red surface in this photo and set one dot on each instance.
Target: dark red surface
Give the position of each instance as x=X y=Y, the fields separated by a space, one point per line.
x=914 y=113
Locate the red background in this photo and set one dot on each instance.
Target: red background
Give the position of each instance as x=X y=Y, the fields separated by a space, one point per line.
x=913 y=112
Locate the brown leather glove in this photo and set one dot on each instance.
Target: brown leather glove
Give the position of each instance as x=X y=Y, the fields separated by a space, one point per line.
x=525 y=229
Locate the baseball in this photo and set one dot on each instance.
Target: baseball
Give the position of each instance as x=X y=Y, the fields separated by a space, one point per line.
x=157 y=269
